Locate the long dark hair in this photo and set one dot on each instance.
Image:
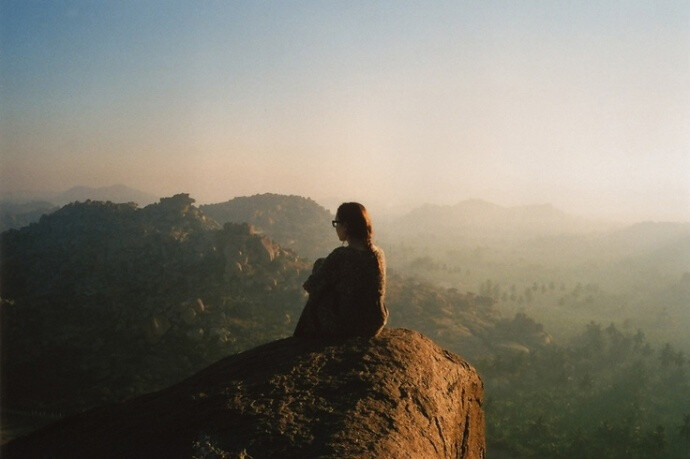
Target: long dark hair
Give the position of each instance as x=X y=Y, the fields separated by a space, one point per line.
x=356 y=218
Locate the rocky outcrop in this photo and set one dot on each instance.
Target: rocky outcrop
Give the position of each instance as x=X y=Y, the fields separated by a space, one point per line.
x=396 y=395
x=295 y=222
x=100 y=301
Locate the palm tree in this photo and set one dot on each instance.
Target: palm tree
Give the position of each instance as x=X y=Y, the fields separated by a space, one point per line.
x=684 y=429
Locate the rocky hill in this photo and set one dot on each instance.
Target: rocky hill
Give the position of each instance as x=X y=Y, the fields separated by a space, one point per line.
x=396 y=395
x=293 y=221
x=102 y=301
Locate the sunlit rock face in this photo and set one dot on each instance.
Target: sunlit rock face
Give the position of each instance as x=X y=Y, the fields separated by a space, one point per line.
x=396 y=395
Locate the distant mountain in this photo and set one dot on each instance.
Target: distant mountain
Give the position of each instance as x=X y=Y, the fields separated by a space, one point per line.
x=293 y=221
x=18 y=209
x=478 y=218
x=114 y=193
x=17 y=215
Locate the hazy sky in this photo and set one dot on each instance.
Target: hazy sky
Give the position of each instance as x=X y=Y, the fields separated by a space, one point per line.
x=585 y=105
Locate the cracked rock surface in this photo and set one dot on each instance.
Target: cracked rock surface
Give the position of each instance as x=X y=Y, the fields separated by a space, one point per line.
x=395 y=395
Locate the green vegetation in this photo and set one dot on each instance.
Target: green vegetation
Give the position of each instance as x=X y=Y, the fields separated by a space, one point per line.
x=607 y=394
x=103 y=301
x=638 y=276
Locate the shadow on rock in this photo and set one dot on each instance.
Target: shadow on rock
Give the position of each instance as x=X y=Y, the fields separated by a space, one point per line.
x=397 y=394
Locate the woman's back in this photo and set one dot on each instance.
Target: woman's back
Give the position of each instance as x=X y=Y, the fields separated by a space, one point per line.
x=346 y=292
x=360 y=291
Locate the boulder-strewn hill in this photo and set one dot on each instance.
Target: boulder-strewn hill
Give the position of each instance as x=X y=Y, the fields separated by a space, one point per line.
x=396 y=395
x=294 y=222
x=101 y=301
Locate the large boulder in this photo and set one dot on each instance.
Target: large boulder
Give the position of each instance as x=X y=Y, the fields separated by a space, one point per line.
x=396 y=395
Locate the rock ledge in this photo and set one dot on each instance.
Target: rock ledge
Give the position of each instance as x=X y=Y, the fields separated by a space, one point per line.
x=396 y=395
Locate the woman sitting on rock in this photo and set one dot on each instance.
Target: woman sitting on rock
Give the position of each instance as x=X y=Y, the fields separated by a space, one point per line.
x=347 y=288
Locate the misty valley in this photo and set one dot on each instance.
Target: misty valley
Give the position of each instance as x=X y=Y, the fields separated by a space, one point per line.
x=578 y=328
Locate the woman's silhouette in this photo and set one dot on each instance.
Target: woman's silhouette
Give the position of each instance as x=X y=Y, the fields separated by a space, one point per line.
x=347 y=288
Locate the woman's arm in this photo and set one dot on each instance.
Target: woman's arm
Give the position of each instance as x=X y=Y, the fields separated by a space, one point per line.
x=324 y=275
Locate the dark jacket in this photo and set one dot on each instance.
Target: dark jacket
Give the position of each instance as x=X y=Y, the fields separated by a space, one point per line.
x=346 y=295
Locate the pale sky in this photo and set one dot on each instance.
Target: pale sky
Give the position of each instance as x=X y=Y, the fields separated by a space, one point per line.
x=584 y=105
